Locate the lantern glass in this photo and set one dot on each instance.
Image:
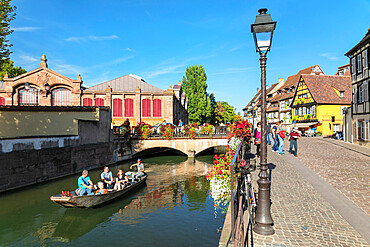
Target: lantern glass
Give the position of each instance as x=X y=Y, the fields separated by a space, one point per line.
x=47 y=87
x=264 y=41
x=262 y=30
x=27 y=86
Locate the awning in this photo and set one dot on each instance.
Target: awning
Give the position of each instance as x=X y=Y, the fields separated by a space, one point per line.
x=304 y=125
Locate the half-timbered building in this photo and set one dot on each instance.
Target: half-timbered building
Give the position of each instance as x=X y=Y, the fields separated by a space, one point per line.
x=319 y=102
x=360 y=75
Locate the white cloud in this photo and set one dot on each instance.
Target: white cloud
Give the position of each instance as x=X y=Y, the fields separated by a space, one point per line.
x=330 y=56
x=91 y=37
x=25 y=29
x=164 y=70
x=68 y=69
x=130 y=50
x=28 y=59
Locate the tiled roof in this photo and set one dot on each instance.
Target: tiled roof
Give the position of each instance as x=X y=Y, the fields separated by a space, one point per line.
x=2 y=85
x=293 y=80
x=127 y=83
x=321 y=88
x=177 y=86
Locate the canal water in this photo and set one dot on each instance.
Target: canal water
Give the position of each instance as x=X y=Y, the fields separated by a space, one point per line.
x=173 y=209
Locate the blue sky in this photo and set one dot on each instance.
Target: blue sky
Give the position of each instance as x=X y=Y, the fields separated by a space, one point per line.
x=157 y=40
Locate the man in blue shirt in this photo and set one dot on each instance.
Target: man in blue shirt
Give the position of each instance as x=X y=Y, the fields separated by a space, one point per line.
x=107 y=178
x=85 y=185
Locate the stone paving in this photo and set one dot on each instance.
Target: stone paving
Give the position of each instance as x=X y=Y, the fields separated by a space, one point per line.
x=345 y=170
x=301 y=216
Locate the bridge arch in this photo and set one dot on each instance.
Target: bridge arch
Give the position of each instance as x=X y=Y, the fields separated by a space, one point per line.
x=190 y=147
x=157 y=150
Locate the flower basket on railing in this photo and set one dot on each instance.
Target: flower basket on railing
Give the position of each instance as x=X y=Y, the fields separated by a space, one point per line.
x=143 y=130
x=241 y=129
x=191 y=130
x=206 y=129
x=167 y=130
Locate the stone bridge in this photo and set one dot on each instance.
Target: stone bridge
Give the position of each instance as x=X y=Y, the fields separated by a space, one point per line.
x=189 y=147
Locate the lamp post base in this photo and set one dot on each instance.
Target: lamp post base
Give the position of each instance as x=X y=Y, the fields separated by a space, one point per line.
x=264 y=230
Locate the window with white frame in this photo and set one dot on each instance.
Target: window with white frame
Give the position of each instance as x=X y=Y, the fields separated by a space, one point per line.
x=359 y=63
x=282 y=105
x=359 y=94
x=313 y=111
x=364 y=56
x=365 y=94
x=366 y=136
x=304 y=111
x=361 y=128
x=355 y=96
x=300 y=111
x=353 y=65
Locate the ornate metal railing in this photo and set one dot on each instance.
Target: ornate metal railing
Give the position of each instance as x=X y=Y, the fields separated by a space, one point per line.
x=218 y=131
x=238 y=224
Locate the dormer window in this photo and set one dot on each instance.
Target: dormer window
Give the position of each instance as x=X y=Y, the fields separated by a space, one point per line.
x=341 y=94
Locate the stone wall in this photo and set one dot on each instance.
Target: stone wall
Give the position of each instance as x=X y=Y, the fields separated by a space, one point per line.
x=22 y=168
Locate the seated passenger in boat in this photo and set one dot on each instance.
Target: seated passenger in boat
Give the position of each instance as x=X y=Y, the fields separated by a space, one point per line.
x=101 y=189
x=107 y=178
x=85 y=185
x=140 y=170
x=121 y=180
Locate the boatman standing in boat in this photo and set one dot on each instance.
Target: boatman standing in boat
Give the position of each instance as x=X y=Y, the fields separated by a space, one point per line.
x=85 y=185
x=140 y=170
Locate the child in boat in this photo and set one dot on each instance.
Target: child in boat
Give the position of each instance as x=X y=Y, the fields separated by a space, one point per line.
x=121 y=180
x=101 y=189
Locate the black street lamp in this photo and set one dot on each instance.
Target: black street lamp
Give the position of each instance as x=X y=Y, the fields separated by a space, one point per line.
x=262 y=30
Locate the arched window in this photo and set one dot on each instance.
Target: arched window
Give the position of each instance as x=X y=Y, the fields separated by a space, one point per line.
x=157 y=108
x=129 y=107
x=2 y=101
x=28 y=96
x=146 y=108
x=61 y=97
x=99 y=102
x=87 y=102
x=117 y=108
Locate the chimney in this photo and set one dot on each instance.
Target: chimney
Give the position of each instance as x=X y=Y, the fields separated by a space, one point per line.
x=258 y=90
x=281 y=80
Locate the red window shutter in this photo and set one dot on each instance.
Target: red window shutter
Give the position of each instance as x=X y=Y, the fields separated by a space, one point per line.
x=2 y=101
x=99 y=102
x=117 y=108
x=146 y=108
x=157 y=108
x=87 y=102
x=129 y=107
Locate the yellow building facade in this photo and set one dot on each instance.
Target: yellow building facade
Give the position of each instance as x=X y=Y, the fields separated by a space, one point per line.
x=319 y=101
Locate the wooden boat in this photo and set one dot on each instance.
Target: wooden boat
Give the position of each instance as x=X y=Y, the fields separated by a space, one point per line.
x=88 y=201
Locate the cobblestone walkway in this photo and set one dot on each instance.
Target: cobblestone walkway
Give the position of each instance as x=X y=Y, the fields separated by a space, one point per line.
x=301 y=216
x=345 y=170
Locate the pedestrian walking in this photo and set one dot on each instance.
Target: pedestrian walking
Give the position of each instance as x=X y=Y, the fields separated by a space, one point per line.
x=293 y=137
x=281 y=137
x=268 y=133
x=257 y=138
x=275 y=138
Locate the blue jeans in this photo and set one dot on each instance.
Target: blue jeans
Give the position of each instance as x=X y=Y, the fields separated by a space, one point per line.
x=268 y=138
x=85 y=191
x=137 y=175
x=276 y=143
x=281 y=144
x=293 y=144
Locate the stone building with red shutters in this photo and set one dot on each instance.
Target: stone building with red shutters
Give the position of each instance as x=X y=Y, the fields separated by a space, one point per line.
x=129 y=96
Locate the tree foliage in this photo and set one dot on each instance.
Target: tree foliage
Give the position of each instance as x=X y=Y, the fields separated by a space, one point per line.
x=8 y=66
x=224 y=113
x=194 y=84
x=7 y=14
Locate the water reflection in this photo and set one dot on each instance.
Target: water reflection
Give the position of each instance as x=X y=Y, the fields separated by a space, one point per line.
x=173 y=207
